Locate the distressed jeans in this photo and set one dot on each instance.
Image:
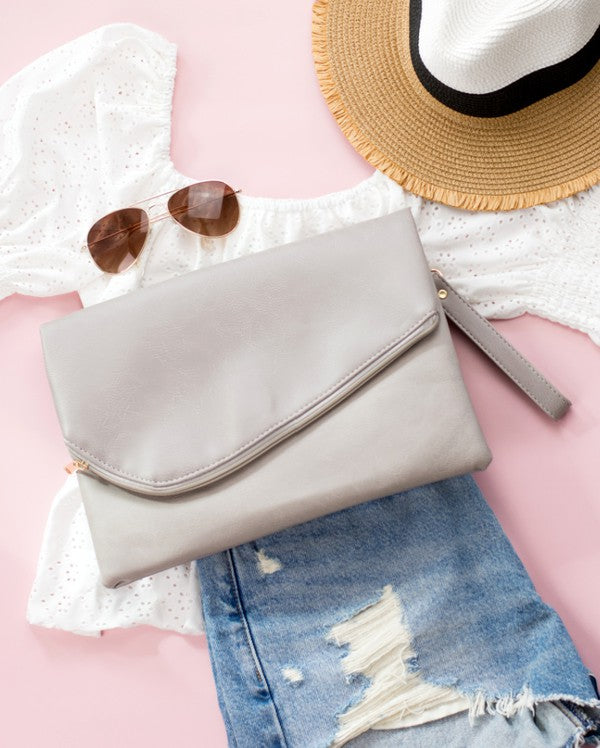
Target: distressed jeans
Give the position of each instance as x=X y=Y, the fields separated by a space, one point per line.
x=406 y=621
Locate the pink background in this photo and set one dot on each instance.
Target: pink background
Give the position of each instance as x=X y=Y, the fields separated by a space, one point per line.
x=247 y=108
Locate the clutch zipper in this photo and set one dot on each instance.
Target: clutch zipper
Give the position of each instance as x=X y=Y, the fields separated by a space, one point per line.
x=79 y=464
x=75 y=466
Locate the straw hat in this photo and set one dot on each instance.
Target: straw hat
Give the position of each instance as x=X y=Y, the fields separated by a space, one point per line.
x=484 y=105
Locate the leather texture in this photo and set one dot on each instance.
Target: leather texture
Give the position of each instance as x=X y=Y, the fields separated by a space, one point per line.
x=233 y=402
x=501 y=352
x=171 y=387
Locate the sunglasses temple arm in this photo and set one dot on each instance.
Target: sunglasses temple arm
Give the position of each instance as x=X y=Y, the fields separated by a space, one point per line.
x=168 y=192
x=153 y=197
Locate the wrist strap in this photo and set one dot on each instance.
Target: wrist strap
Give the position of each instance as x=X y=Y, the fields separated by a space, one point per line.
x=500 y=351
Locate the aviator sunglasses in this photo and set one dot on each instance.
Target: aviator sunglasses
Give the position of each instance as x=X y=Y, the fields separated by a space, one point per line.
x=116 y=240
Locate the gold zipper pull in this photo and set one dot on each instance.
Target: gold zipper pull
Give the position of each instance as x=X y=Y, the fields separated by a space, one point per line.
x=76 y=465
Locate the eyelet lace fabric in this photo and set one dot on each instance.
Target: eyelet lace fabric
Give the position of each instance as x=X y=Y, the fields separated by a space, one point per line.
x=85 y=130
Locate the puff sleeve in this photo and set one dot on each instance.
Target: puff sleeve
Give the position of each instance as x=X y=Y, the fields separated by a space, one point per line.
x=81 y=130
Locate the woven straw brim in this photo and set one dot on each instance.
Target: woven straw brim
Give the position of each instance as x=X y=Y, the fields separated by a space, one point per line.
x=544 y=152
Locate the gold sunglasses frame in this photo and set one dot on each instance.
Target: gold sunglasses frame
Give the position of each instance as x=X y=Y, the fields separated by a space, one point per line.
x=154 y=219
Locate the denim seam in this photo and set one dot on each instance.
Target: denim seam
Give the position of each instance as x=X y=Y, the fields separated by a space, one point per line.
x=572 y=719
x=221 y=697
x=251 y=644
x=576 y=715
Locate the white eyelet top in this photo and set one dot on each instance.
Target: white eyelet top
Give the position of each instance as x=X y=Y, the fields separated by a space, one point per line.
x=85 y=130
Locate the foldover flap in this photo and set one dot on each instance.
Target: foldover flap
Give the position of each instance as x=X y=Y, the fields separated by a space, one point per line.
x=177 y=385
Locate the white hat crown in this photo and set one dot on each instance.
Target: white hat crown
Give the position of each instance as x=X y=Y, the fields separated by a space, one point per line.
x=480 y=46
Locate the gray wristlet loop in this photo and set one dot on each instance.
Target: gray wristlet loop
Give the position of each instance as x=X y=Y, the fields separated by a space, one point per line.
x=500 y=351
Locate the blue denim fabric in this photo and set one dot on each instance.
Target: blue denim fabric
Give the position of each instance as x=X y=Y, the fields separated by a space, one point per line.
x=475 y=620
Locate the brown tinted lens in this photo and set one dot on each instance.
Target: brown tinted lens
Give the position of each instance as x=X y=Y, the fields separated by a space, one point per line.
x=116 y=240
x=207 y=208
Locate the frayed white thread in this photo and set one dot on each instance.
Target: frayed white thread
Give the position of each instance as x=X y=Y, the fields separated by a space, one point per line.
x=505 y=706
x=293 y=675
x=380 y=648
x=267 y=565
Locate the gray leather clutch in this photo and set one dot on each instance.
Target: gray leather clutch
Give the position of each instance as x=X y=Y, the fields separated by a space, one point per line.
x=235 y=401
